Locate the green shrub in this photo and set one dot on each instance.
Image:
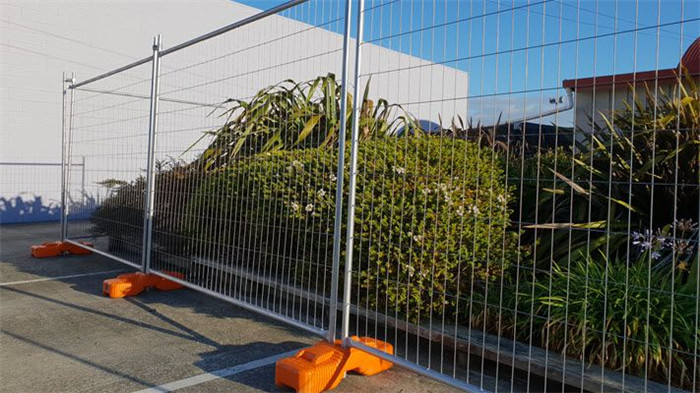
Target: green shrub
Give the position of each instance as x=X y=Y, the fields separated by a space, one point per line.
x=634 y=305
x=427 y=211
x=291 y=115
x=606 y=184
x=120 y=216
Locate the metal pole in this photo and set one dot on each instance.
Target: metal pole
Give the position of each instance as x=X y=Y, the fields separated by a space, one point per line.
x=82 y=182
x=65 y=154
x=150 y=162
x=63 y=159
x=337 y=227
x=227 y=28
x=345 y=332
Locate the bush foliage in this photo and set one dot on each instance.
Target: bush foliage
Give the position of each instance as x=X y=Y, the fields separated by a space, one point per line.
x=434 y=219
x=120 y=216
x=421 y=222
x=589 y=197
x=291 y=115
x=617 y=316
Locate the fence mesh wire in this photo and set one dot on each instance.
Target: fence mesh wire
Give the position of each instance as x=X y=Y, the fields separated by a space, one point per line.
x=108 y=122
x=252 y=229
x=527 y=182
x=23 y=201
x=543 y=232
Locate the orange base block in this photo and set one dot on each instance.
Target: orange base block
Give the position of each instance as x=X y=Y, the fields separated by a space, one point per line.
x=322 y=366
x=131 y=284
x=54 y=249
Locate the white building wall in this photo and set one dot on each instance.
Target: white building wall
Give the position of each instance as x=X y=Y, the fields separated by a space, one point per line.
x=591 y=103
x=42 y=39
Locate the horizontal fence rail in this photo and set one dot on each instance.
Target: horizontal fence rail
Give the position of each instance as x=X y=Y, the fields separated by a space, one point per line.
x=505 y=191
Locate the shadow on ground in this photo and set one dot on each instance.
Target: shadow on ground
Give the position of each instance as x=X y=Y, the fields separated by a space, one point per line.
x=139 y=342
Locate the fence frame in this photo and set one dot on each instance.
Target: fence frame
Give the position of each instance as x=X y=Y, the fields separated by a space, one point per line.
x=65 y=153
x=150 y=157
x=337 y=301
x=345 y=303
x=70 y=84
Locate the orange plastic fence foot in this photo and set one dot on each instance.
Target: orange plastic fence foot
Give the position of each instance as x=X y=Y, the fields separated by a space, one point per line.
x=131 y=284
x=54 y=249
x=76 y=250
x=163 y=284
x=366 y=364
x=322 y=366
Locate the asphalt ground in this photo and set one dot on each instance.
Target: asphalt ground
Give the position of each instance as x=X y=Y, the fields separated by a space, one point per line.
x=59 y=334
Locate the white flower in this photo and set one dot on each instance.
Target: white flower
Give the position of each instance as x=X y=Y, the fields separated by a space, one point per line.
x=321 y=193
x=643 y=240
x=297 y=164
x=502 y=199
x=411 y=270
x=309 y=208
x=636 y=236
x=685 y=225
x=460 y=211
x=645 y=245
x=473 y=209
x=418 y=239
x=295 y=206
x=399 y=170
x=333 y=177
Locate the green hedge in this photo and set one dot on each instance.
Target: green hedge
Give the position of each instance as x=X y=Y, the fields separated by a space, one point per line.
x=428 y=211
x=120 y=216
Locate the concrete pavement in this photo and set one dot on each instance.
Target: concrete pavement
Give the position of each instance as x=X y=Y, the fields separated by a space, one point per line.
x=59 y=334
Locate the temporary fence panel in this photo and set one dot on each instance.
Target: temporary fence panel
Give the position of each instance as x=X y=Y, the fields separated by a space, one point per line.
x=107 y=123
x=540 y=232
x=236 y=216
x=515 y=209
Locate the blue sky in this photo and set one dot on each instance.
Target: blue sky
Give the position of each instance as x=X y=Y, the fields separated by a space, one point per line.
x=515 y=47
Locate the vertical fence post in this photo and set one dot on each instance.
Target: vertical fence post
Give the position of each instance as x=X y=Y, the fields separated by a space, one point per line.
x=337 y=226
x=65 y=151
x=63 y=159
x=150 y=162
x=82 y=181
x=356 y=106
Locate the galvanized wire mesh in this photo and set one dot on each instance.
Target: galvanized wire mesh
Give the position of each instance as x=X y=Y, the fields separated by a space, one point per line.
x=237 y=225
x=32 y=191
x=520 y=194
x=107 y=123
x=543 y=233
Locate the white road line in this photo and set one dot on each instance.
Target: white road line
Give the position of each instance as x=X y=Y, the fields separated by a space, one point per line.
x=6 y=284
x=223 y=373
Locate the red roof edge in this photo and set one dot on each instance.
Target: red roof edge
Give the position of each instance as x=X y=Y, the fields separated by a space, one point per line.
x=690 y=60
x=622 y=79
